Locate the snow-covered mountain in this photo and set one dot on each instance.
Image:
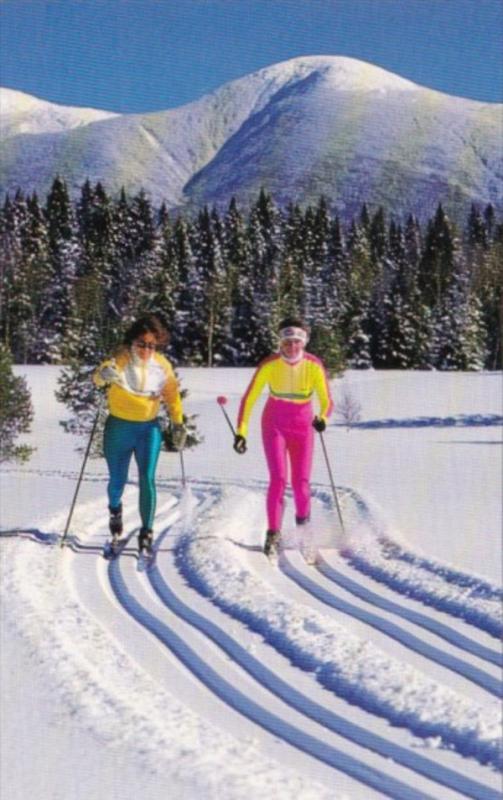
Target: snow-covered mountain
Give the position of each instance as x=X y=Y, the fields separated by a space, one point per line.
x=21 y=113
x=309 y=126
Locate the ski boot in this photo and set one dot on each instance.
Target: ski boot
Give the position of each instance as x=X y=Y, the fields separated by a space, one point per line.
x=115 y=524
x=145 y=541
x=306 y=544
x=272 y=539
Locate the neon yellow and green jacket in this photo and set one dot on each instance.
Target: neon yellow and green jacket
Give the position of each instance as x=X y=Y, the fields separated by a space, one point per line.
x=155 y=378
x=295 y=383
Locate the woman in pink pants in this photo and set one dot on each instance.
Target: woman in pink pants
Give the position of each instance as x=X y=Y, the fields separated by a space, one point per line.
x=293 y=376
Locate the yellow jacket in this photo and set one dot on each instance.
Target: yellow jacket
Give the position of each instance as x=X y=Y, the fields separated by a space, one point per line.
x=155 y=378
x=292 y=382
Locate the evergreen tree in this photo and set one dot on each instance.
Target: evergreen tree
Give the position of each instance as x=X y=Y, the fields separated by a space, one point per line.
x=488 y=286
x=406 y=327
x=324 y=342
x=14 y=287
x=265 y=237
x=211 y=300
x=438 y=257
x=184 y=342
x=315 y=267
x=58 y=299
x=459 y=334
x=161 y=287
x=237 y=257
x=16 y=411
x=355 y=319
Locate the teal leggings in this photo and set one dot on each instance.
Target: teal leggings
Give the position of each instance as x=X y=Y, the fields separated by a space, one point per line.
x=123 y=438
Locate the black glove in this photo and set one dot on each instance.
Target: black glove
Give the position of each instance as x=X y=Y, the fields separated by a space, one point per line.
x=240 y=444
x=179 y=437
x=174 y=437
x=319 y=424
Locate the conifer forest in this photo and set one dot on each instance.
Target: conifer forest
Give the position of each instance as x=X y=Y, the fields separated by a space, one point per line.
x=376 y=292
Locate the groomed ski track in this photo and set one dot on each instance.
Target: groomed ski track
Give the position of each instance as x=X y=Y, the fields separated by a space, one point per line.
x=213 y=626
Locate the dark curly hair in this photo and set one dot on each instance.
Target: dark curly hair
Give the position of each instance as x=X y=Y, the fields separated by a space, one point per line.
x=149 y=323
x=293 y=322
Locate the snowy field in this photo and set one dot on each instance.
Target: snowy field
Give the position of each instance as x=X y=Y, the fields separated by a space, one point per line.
x=374 y=672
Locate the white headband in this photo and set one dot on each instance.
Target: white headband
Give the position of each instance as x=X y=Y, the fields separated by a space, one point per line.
x=293 y=333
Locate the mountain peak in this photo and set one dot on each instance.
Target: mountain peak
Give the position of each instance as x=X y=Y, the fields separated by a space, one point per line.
x=342 y=72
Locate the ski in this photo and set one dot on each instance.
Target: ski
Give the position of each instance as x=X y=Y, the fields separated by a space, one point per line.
x=112 y=550
x=114 y=547
x=146 y=558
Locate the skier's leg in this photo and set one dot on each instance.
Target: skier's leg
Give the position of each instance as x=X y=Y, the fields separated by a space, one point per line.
x=146 y=453
x=300 y=444
x=275 y=453
x=118 y=444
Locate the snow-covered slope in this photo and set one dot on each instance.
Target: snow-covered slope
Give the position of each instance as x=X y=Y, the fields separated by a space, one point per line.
x=375 y=673
x=23 y=113
x=309 y=126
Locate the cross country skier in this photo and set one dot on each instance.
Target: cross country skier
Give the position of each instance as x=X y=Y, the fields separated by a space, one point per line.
x=138 y=378
x=293 y=375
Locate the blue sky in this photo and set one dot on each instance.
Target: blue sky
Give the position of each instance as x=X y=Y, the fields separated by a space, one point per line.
x=147 y=55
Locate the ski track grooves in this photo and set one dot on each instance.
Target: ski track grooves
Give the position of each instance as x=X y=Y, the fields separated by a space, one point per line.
x=385 y=569
x=236 y=699
x=330 y=571
x=175 y=561
x=294 y=566
x=328 y=719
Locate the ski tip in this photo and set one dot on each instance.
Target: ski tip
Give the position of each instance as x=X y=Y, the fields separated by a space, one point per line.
x=146 y=561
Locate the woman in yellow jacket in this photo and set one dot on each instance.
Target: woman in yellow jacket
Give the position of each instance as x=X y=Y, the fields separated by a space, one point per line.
x=293 y=376
x=138 y=378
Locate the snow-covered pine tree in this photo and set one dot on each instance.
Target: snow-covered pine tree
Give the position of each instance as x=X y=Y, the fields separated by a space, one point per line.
x=265 y=238
x=161 y=285
x=14 y=300
x=406 y=331
x=94 y=217
x=354 y=323
x=121 y=287
x=215 y=312
x=484 y=253
x=58 y=299
x=438 y=257
x=236 y=256
x=295 y=267
x=16 y=411
x=380 y=278
x=183 y=342
x=459 y=331
x=314 y=268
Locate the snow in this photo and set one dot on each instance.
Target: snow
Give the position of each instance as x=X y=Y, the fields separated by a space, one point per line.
x=372 y=673
x=342 y=73
x=23 y=113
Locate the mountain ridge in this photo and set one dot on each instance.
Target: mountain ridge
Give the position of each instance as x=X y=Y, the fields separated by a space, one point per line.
x=312 y=125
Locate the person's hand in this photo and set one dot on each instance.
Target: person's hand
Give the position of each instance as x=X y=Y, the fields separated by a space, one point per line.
x=240 y=444
x=178 y=437
x=319 y=424
x=110 y=374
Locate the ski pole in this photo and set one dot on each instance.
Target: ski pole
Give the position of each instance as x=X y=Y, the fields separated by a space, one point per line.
x=182 y=467
x=84 y=462
x=332 y=484
x=222 y=400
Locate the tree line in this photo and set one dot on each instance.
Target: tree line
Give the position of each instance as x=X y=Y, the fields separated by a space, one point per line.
x=376 y=292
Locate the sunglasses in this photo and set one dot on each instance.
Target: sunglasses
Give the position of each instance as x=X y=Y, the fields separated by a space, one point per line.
x=145 y=345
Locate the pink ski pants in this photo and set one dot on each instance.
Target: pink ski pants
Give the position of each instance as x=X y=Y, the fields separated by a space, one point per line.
x=287 y=429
